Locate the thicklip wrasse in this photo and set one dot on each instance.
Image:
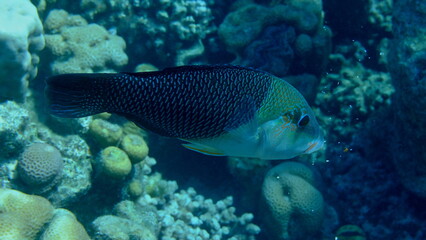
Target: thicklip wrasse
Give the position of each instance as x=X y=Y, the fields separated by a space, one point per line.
x=218 y=110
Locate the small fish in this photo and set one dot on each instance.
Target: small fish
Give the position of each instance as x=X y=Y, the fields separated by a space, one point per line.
x=220 y=110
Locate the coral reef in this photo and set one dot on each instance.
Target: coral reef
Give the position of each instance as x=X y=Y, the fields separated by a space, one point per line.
x=40 y=167
x=21 y=38
x=64 y=226
x=351 y=93
x=368 y=122
x=76 y=46
x=293 y=208
x=18 y=129
x=159 y=210
x=284 y=38
x=407 y=61
x=28 y=214
x=157 y=30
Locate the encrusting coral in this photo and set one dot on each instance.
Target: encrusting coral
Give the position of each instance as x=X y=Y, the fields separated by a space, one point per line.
x=292 y=207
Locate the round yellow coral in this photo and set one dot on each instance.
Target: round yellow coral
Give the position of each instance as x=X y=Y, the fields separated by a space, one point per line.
x=293 y=207
x=136 y=147
x=105 y=133
x=114 y=163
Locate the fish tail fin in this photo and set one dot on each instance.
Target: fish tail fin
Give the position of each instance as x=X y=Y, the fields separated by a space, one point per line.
x=75 y=95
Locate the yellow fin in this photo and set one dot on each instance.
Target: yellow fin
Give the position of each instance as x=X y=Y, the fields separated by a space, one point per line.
x=203 y=149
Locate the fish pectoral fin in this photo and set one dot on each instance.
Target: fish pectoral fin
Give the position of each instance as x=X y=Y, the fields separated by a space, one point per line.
x=203 y=149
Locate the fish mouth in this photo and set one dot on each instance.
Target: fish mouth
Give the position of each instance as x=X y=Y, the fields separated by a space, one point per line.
x=314 y=146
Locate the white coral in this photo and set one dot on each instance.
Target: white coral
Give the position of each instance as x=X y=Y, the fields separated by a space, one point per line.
x=21 y=39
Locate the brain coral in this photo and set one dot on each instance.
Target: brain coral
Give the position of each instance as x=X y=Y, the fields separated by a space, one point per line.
x=64 y=226
x=28 y=214
x=40 y=166
x=292 y=207
x=80 y=47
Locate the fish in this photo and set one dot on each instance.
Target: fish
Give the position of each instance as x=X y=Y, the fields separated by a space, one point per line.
x=218 y=110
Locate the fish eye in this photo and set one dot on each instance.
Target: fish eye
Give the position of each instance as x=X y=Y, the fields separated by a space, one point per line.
x=303 y=121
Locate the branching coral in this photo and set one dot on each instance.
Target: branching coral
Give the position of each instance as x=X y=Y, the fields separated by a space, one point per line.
x=351 y=93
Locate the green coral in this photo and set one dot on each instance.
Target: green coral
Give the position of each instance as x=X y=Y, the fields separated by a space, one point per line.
x=76 y=46
x=105 y=133
x=135 y=147
x=114 y=162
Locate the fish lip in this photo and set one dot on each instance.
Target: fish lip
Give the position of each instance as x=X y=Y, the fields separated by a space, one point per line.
x=314 y=146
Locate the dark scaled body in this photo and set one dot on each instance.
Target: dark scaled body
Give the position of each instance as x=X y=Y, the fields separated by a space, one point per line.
x=189 y=102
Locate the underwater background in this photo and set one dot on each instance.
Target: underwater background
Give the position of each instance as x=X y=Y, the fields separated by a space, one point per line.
x=360 y=65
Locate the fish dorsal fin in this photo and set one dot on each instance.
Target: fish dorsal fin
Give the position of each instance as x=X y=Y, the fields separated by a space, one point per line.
x=203 y=149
